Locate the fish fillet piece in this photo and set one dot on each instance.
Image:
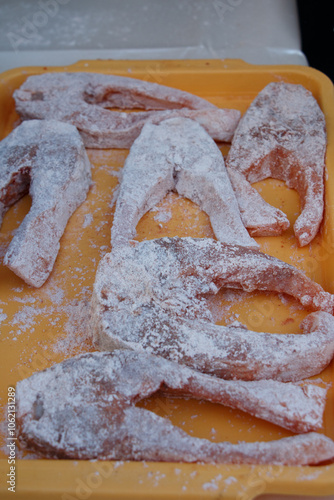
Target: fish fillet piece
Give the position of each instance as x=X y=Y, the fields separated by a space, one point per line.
x=84 y=408
x=260 y=218
x=179 y=155
x=152 y=297
x=48 y=160
x=282 y=135
x=82 y=98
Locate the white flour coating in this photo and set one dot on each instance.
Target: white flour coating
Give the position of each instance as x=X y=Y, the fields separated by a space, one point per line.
x=55 y=293
x=282 y=135
x=79 y=311
x=82 y=98
x=87 y=220
x=229 y=480
x=260 y=218
x=162 y=216
x=191 y=215
x=3 y=316
x=177 y=155
x=311 y=476
x=48 y=160
x=76 y=334
x=114 y=196
x=221 y=312
x=84 y=408
x=151 y=296
x=211 y=486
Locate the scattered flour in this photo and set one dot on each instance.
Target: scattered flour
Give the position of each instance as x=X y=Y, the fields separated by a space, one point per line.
x=56 y=294
x=163 y=216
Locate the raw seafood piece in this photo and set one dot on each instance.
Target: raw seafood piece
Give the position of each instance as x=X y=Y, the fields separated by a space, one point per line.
x=84 y=408
x=260 y=218
x=151 y=296
x=282 y=135
x=47 y=159
x=81 y=99
x=177 y=155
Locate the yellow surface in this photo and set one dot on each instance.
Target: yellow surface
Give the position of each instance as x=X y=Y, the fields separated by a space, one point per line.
x=42 y=327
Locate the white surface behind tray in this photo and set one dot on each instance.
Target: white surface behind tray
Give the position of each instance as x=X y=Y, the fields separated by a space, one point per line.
x=60 y=32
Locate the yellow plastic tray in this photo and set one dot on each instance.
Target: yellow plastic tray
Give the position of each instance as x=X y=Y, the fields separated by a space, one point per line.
x=42 y=327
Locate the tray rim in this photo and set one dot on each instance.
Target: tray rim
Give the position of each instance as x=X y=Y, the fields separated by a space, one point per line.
x=251 y=480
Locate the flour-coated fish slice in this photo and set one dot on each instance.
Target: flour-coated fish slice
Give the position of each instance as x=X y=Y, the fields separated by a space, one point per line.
x=48 y=160
x=84 y=408
x=281 y=135
x=82 y=98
